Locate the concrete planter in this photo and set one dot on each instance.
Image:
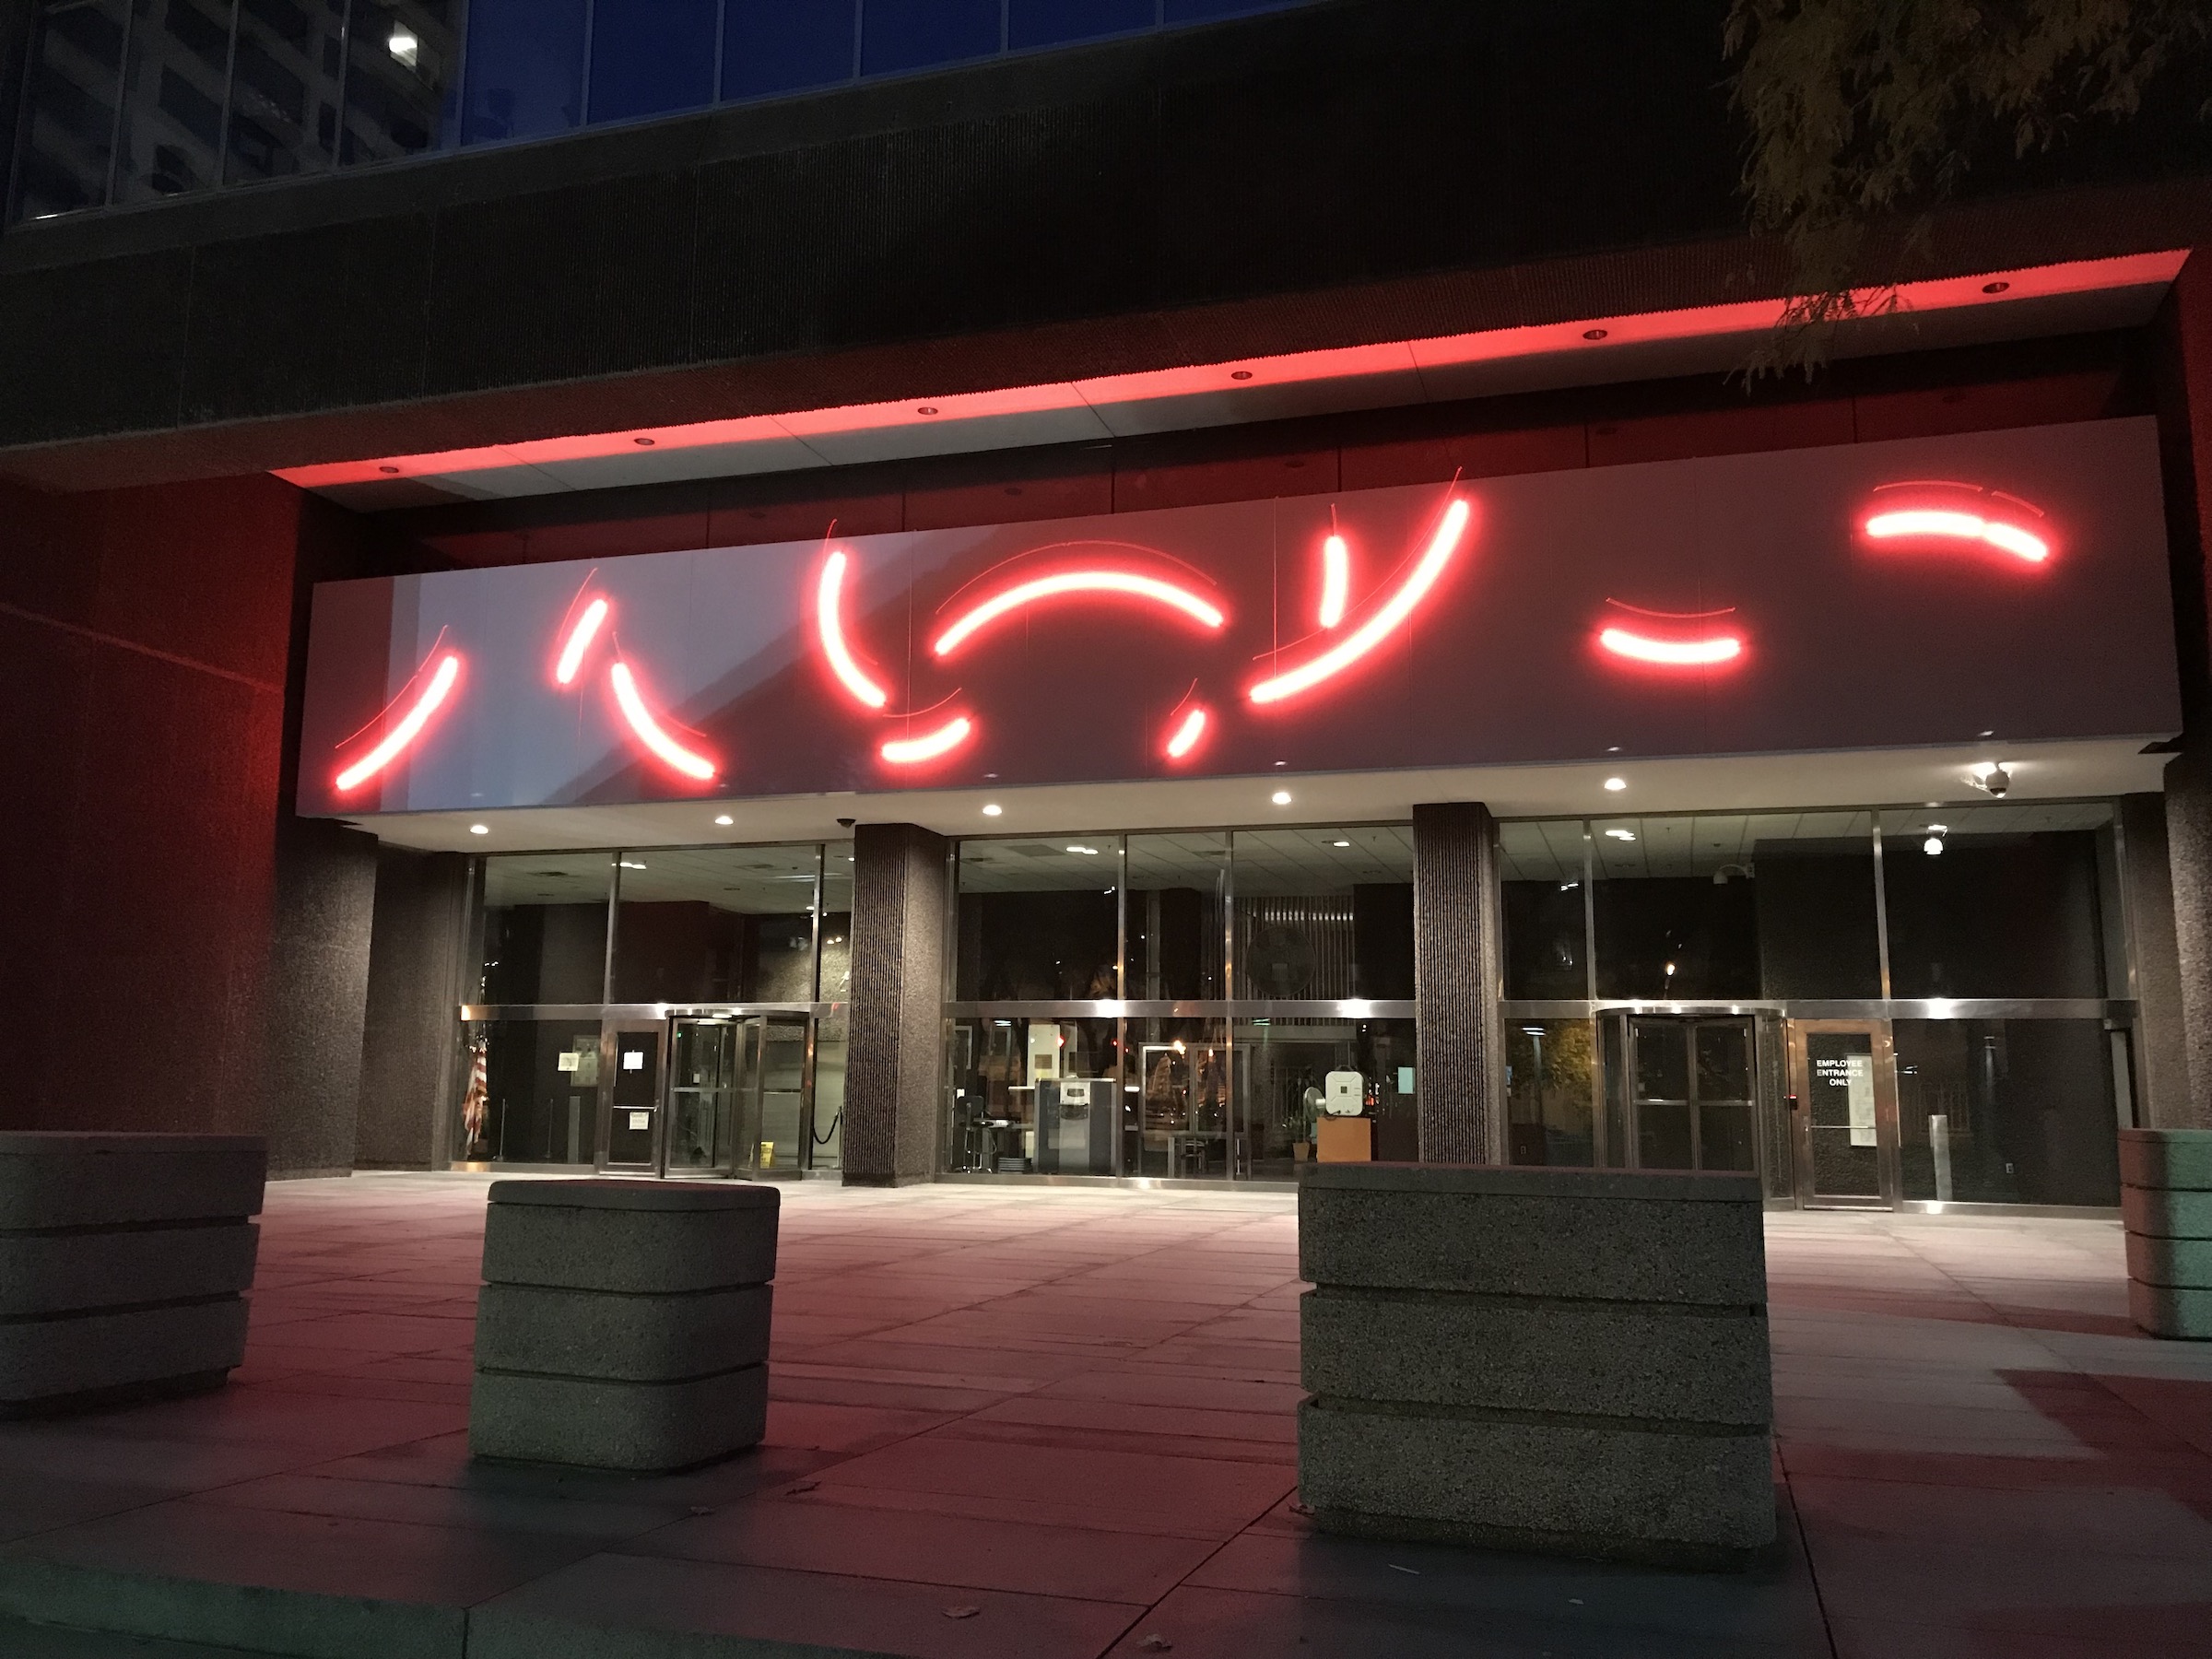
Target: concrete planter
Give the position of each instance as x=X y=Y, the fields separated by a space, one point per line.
x=1564 y=1361
x=623 y=1324
x=123 y=1263
x=2166 y=1205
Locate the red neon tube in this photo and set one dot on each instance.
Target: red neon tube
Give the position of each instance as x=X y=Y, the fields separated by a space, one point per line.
x=1335 y=579
x=1187 y=735
x=1371 y=633
x=1079 y=582
x=579 y=641
x=410 y=727
x=1959 y=526
x=1671 y=653
x=907 y=751
x=649 y=730
x=830 y=625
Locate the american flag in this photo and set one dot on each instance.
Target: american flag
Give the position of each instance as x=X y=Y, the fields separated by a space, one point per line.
x=473 y=1105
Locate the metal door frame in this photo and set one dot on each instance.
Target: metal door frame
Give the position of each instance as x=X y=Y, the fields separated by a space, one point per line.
x=732 y=1022
x=610 y=1031
x=1687 y=1022
x=749 y=1165
x=1889 y=1170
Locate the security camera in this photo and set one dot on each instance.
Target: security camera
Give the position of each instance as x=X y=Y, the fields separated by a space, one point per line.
x=848 y=823
x=1998 y=782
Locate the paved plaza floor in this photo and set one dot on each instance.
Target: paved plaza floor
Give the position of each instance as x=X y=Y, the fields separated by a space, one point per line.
x=1052 y=1424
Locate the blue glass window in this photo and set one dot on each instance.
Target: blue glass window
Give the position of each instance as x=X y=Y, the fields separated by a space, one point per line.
x=650 y=57
x=525 y=69
x=75 y=78
x=783 y=46
x=1198 y=11
x=402 y=78
x=915 y=34
x=1050 y=22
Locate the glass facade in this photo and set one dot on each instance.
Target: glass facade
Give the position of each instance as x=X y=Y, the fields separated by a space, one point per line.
x=134 y=101
x=1174 y=1004
x=1920 y=1005
x=679 y=1010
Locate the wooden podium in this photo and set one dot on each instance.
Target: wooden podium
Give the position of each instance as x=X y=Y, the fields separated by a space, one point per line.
x=1345 y=1140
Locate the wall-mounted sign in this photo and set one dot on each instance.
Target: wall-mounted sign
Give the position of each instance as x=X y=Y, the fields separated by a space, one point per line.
x=1863 y=597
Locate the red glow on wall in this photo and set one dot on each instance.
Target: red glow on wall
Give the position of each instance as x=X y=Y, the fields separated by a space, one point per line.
x=1118 y=583
x=1371 y=633
x=830 y=626
x=1187 y=735
x=649 y=730
x=1335 y=579
x=912 y=751
x=401 y=734
x=580 y=635
x=1925 y=523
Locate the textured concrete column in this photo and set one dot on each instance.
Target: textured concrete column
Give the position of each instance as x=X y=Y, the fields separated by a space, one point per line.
x=416 y=976
x=2160 y=1047
x=892 y=1067
x=1460 y=1082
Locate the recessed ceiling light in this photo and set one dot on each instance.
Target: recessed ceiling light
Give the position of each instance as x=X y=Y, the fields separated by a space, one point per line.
x=1093 y=852
x=1281 y=797
x=992 y=810
x=1340 y=843
x=630 y=864
x=1995 y=287
x=725 y=819
x=1623 y=835
x=642 y=443
x=1240 y=374
x=1594 y=333
x=480 y=829
x=1617 y=784
x=925 y=408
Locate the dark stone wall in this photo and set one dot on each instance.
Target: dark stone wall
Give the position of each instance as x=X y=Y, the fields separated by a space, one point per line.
x=180 y=953
x=892 y=1070
x=415 y=975
x=1458 y=977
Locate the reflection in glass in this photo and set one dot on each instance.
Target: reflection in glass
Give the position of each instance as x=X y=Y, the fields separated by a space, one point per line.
x=1049 y=22
x=2006 y=1111
x=650 y=57
x=1541 y=877
x=1174 y=925
x=716 y=924
x=525 y=69
x=1181 y=1125
x=1693 y=1088
x=1549 y=1103
x=530 y=1091
x=1039 y=918
x=69 y=133
x=284 y=88
x=1033 y=1096
x=2008 y=907
x=171 y=129
x=1282 y=1069
x=402 y=78
x=544 y=928
x=826 y=1134
x=702 y=1094
x=1323 y=914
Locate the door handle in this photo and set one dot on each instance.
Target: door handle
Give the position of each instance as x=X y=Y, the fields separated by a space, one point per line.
x=1793 y=1100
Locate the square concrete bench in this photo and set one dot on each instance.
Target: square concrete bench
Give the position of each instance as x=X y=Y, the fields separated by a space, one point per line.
x=1570 y=1361
x=2166 y=1206
x=623 y=1324
x=124 y=1260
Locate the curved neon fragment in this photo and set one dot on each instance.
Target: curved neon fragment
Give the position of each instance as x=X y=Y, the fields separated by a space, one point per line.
x=1335 y=579
x=579 y=641
x=1959 y=526
x=906 y=751
x=395 y=741
x=1079 y=582
x=1671 y=653
x=649 y=730
x=1187 y=735
x=1371 y=633
x=830 y=624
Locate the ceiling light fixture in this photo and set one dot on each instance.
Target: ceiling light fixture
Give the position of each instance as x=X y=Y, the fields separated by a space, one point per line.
x=480 y=829
x=1617 y=784
x=1622 y=835
x=992 y=809
x=1281 y=797
x=724 y=819
x=1340 y=843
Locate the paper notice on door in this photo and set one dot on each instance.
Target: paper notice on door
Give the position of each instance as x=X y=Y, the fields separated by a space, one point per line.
x=568 y=1062
x=643 y=1120
x=1858 y=1085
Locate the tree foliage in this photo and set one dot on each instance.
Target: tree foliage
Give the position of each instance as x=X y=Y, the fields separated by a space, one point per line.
x=1869 y=111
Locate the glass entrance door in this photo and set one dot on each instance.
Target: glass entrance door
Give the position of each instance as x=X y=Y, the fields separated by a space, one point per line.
x=778 y=1137
x=1693 y=1092
x=1843 y=1089
x=630 y=1097
x=703 y=1070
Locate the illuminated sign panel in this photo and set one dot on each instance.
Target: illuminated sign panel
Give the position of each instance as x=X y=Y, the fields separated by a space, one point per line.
x=1871 y=596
